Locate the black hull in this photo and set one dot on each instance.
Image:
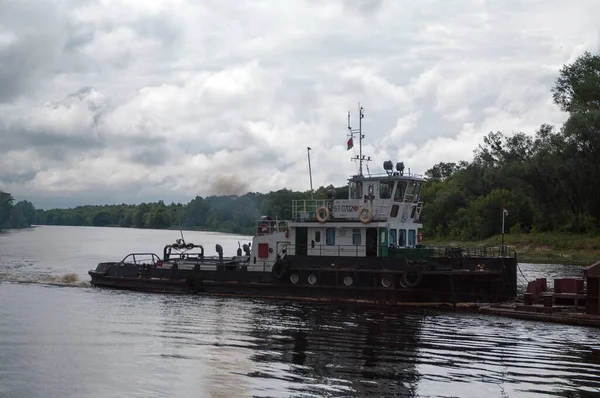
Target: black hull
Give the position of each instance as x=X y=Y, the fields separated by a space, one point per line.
x=438 y=281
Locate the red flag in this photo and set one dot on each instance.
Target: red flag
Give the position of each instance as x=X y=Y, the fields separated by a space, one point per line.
x=350 y=144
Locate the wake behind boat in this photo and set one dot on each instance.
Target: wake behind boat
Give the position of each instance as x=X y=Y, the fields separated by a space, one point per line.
x=363 y=248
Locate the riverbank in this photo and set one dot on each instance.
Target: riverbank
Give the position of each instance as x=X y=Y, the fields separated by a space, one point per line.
x=540 y=247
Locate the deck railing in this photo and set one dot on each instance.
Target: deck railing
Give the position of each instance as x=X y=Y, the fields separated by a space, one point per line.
x=483 y=251
x=140 y=258
x=265 y=226
x=307 y=209
x=409 y=252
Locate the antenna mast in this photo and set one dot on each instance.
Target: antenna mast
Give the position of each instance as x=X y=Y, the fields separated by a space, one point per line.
x=360 y=156
x=310 y=172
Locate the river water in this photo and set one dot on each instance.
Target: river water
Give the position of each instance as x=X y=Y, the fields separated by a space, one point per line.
x=59 y=337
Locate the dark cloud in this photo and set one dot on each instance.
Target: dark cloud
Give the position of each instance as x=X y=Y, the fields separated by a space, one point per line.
x=129 y=102
x=153 y=152
x=48 y=144
x=17 y=178
x=19 y=67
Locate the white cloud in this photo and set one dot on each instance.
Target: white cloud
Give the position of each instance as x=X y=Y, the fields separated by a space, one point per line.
x=134 y=101
x=405 y=124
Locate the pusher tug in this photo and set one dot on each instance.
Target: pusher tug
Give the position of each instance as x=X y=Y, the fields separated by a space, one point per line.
x=366 y=248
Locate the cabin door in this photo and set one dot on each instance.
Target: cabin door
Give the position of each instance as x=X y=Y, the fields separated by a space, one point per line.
x=371 y=242
x=383 y=242
x=301 y=241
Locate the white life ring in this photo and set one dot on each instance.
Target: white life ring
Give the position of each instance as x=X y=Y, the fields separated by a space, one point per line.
x=322 y=217
x=348 y=280
x=294 y=278
x=365 y=215
x=387 y=281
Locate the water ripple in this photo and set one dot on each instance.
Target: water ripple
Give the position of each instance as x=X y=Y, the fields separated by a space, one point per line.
x=117 y=343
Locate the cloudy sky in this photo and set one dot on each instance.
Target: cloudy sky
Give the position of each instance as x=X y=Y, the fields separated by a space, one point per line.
x=127 y=101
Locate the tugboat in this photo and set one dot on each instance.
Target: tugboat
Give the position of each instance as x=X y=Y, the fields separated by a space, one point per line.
x=365 y=248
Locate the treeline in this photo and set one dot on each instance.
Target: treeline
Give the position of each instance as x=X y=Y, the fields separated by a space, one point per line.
x=546 y=182
x=235 y=214
x=19 y=215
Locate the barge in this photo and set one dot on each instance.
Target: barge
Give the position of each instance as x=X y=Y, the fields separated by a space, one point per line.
x=573 y=301
x=364 y=248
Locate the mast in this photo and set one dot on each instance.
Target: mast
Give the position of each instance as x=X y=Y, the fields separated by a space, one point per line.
x=310 y=172
x=360 y=156
x=360 y=136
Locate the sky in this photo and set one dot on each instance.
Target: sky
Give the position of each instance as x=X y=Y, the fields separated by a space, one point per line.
x=141 y=100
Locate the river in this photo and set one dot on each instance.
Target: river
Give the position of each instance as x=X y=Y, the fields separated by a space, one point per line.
x=59 y=337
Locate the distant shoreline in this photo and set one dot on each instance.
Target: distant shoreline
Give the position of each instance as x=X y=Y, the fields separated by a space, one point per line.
x=535 y=248
x=539 y=247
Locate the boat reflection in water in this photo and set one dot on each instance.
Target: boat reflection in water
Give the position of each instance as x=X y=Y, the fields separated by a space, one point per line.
x=338 y=349
x=262 y=348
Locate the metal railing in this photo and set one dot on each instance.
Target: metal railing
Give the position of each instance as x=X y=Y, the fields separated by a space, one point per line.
x=404 y=174
x=307 y=209
x=140 y=258
x=420 y=250
x=303 y=210
x=321 y=250
x=266 y=227
x=484 y=251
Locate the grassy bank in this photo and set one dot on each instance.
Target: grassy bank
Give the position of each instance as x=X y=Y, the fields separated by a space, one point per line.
x=541 y=247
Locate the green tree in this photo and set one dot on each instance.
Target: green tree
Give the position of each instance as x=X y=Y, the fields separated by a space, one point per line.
x=6 y=206
x=101 y=218
x=158 y=218
x=577 y=88
x=442 y=171
x=22 y=215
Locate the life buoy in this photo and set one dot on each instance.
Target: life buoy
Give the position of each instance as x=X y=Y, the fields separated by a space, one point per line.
x=294 y=278
x=413 y=276
x=387 y=281
x=263 y=229
x=279 y=270
x=365 y=215
x=348 y=280
x=159 y=263
x=322 y=217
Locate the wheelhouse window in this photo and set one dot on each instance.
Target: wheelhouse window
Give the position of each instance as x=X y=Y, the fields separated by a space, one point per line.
x=400 y=190
x=402 y=241
x=385 y=189
x=317 y=236
x=393 y=237
x=410 y=191
x=417 y=192
x=355 y=190
x=330 y=236
x=412 y=237
x=356 y=236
